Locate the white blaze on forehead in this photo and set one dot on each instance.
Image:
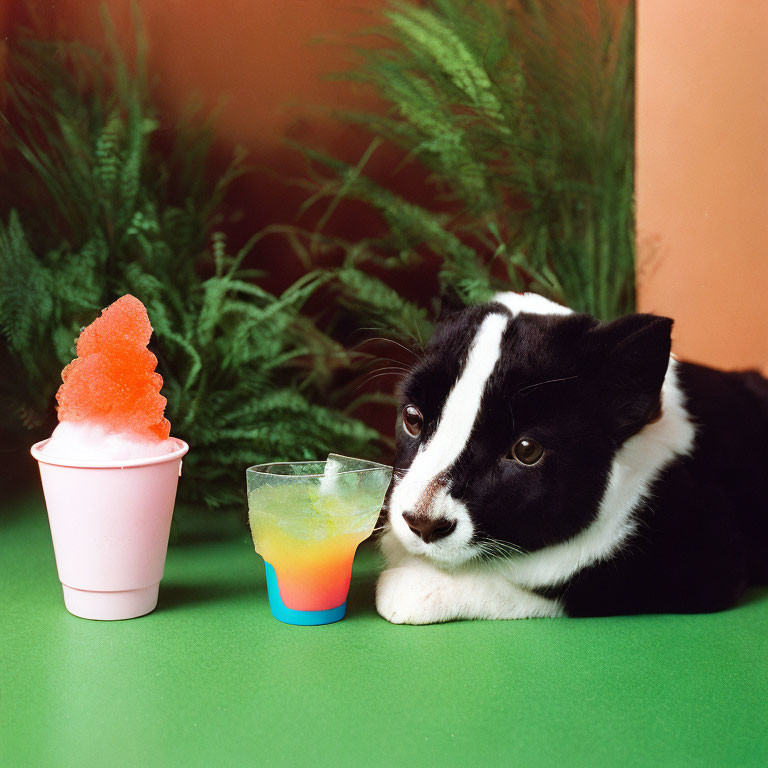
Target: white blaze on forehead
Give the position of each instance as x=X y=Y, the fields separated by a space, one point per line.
x=459 y=412
x=530 y=303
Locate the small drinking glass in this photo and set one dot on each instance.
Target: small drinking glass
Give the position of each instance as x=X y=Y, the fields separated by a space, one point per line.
x=307 y=519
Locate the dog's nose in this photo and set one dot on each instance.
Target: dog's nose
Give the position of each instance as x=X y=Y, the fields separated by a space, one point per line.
x=427 y=528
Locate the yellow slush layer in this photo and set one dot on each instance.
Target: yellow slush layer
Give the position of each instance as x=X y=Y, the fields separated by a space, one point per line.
x=310 y=539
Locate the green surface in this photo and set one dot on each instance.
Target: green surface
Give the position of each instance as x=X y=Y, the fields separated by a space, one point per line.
x=211 y=679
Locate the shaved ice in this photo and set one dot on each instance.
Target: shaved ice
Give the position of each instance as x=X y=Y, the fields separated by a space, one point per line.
x=110 y=406
x=89 y=440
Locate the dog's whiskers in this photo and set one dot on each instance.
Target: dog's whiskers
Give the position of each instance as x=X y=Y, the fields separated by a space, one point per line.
x=388 y=369
x=531 y=387
x=388 y=341
x=488 y=548
x=378 y=375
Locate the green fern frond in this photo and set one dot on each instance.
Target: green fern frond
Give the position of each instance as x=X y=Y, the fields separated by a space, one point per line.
x=523 y=117
x=246 y=376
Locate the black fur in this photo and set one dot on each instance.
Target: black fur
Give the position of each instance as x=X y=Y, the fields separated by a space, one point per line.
x=582 y=388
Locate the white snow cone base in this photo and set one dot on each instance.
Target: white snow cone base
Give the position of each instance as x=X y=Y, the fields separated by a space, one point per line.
x=110 y=606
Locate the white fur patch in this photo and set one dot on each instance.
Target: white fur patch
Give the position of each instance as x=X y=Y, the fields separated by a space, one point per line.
x=636 y=466
x=417 y=592
x=450 y=550
x=531 y=303
x=445 y=446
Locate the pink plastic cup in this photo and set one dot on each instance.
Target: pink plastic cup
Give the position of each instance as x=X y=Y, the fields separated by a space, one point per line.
x=110 y=523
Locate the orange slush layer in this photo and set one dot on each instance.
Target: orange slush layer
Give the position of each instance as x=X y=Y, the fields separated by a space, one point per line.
x=311 y=575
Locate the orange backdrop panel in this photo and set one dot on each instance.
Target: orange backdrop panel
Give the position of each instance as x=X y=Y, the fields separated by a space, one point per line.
x=702 y=133
x=702 y=175
x=255 y=57
x=261 y=62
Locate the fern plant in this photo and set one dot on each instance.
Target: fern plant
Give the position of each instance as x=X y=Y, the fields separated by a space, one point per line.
x=94 y=205
x=522 y=116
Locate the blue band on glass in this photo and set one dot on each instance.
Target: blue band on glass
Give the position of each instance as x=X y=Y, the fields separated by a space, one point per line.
x=291 y=616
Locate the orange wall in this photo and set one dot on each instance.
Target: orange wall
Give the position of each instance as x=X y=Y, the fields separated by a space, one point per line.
x=257 y=60
x=255 y=57
x=702 y=175
x=702 y=125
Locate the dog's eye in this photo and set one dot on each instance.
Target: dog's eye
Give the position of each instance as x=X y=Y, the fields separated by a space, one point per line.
x=413 y=421
x=526 y=451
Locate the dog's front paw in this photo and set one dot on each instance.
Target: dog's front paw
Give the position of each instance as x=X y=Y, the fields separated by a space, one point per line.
x=413 y=595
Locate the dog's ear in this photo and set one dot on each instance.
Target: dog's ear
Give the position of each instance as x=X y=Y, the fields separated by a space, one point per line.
x=450 y=304
x=635 y=355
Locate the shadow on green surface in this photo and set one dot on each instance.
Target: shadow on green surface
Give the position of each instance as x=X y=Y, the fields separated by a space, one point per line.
x=175 y=596
x=20 y=504
x=361 y=595
x=754 y=595
x=192 y=526
x=178 y=595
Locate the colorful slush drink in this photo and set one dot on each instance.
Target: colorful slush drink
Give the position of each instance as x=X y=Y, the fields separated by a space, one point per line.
x=307 y=519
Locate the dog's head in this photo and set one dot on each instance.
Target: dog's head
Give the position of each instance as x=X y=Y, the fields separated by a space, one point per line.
x=510 y=422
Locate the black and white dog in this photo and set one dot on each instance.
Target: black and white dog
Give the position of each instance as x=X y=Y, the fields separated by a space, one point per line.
x=549 y=464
